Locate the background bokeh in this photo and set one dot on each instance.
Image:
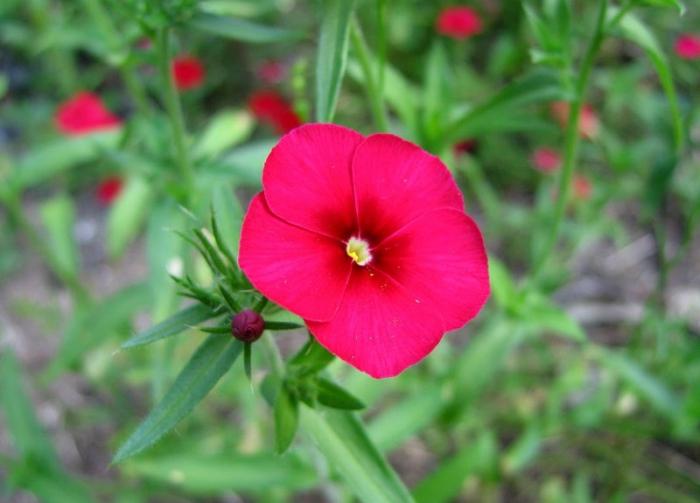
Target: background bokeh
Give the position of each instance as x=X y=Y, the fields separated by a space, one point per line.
x=580 y=381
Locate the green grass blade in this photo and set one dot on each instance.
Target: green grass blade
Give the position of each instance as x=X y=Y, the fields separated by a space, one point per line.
x=240 y=29
x=344 y=442
x=332 y=56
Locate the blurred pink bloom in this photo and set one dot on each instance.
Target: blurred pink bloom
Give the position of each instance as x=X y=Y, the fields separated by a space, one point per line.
x=109 y=189
x=272 y=72
x=588 y=125
x=546 y=159
x=583 y=188
x=271 y=108
x=188 y=72
x=688 y=46
x=458 y=22
x=84 y=113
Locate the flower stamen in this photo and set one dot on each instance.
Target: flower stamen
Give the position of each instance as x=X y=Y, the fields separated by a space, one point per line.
x=358 y=250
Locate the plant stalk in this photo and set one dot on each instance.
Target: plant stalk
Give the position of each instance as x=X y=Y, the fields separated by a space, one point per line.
x=572 y=140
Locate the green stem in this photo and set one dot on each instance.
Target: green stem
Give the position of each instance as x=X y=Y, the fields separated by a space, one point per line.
x=376 y=99
x=114 y=42
x=572 y=139
x=173 y=107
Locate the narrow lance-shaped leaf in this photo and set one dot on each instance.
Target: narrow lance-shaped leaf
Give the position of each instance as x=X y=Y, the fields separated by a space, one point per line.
x=332 y=395
x=332 y=56
x=241 y=29
x=286 y=419
x=211 y=361
x=177 y=323
x=342 y=439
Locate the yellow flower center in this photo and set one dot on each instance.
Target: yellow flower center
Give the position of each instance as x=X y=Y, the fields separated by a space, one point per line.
x=358 y=250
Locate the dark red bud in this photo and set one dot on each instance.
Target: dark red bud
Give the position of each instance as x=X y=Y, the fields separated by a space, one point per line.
x=247 y=326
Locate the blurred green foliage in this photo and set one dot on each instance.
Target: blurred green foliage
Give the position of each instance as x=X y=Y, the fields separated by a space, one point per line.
x=529 y=405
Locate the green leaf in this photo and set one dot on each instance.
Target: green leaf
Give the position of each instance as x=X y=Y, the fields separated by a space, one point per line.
x=229 y=217
x=403 y=420
x=51 y=485
x=503 y=287
x=225 y=130
x=47 y=160
x=213 y=475
x=536 y=87
x=445 y=483
x=400 y=94
x=332 y=395
x=437 y=93
x=677 y=4
x=524 y=450
x=647 y=385
x=242 y=165
x=92 y=325
x=209 y=363
x=343 y=441
x=311 y=358
x=240 y=29
x=540 y=313
x=28 y=436
x=633 y=29
x=39 y=470
x=127 y=215
x=164 y=251
x=286 y=419
x=58 y=215
x=180 y=321
x=332 y=55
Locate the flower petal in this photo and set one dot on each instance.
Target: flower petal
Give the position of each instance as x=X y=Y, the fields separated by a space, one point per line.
x=300 y=270
x=307 y=178
x=396 y=181
x=440 y=258
x=379 y=328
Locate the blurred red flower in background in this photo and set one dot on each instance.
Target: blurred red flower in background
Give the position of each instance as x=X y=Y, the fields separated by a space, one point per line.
x=109 y=189
x=367 y=240
x=588 y=124
x=458 y=22
x=464 y=147
x=188 y=72
x=583 y=188
x=272 y=72
x=688 y=46
x=84 y=113
x=270 y=108
x=546 y=159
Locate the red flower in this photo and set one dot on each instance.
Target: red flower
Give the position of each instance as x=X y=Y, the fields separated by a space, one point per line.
x=366 y=239
x=84 y=113
x=109 y=189
x=588 y=125
x=546 y=160
x=188 y=72
x=458 y=22
x=271 y=108
x=272 y=72
x=688 y=46
x=582 y=187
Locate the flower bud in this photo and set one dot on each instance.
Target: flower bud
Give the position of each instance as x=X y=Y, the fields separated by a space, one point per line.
x=247 y=326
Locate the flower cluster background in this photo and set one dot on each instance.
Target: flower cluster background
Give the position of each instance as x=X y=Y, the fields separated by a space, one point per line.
x=205 y=206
